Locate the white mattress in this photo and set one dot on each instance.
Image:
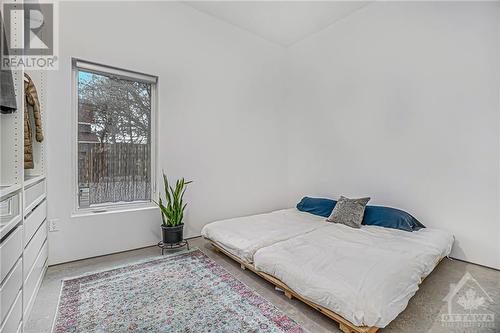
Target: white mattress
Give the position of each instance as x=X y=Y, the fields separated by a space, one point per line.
x=243 y=236
x=365 y=275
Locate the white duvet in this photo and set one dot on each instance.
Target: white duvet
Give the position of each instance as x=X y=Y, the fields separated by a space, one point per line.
x=243 y=236
x=365 y=275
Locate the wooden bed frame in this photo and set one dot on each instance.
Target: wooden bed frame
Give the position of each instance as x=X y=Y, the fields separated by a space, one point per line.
x=345 y=325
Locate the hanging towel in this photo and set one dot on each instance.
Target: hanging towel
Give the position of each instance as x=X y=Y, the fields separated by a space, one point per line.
x=7 y=94
x=31 y=100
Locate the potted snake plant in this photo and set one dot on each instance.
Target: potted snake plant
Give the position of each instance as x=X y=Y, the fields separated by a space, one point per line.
x=172 y=211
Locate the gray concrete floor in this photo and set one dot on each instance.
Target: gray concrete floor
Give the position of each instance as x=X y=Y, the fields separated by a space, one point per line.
x=422 y=314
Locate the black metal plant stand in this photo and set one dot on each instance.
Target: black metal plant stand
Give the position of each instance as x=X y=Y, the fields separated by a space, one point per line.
x=166 y=246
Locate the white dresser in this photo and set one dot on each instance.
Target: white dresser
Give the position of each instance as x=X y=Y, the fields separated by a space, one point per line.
x=23 y=252
x=23 y=208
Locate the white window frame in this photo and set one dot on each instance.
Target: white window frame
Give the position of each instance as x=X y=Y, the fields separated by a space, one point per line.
x=76 y=65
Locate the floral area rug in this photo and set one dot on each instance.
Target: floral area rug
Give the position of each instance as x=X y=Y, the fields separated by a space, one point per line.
x=187 y=292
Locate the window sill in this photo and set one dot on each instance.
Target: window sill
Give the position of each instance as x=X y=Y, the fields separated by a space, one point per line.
x=112 y=210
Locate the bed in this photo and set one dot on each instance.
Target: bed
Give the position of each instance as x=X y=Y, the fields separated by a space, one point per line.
x=243 y=236
x=361 y=278
x=365 y=275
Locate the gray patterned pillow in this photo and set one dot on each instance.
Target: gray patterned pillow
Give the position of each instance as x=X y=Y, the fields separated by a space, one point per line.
x=349 y=211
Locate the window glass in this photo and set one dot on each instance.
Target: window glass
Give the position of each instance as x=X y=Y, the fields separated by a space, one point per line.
x=114 y=139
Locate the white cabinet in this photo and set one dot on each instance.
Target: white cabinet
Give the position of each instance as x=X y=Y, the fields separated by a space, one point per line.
x=13 y=319
x=33 y=248
x=23 y=253
x=11 y=270
x=23 y=207
x=33 y=220
x=10 y=213
x=11 y=216
x=10 y=288
x=34 y=279
x=33 y=195
x=11 y=250
x=35 y=244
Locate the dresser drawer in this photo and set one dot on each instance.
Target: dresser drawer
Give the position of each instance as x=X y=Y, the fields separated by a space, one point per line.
x=10 y=288
x=34 y=276
x=33 y=195
x=10 y=213
x=33 y=221
x=10 y=251
x=34 y=246
x=11 y=322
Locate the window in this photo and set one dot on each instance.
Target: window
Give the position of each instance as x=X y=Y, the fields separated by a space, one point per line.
x=115 y=136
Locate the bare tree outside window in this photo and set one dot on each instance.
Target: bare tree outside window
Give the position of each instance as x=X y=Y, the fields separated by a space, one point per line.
x=114 y=139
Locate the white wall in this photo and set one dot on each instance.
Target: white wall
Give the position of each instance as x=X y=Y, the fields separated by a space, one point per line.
x=219 y=90
x=400 y=101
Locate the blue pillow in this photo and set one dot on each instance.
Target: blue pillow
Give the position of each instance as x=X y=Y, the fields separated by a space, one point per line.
x=316 y=206
x=390 y=218
x=381 y=216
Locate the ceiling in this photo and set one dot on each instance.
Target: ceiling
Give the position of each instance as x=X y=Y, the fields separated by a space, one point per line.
x=282 y=22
